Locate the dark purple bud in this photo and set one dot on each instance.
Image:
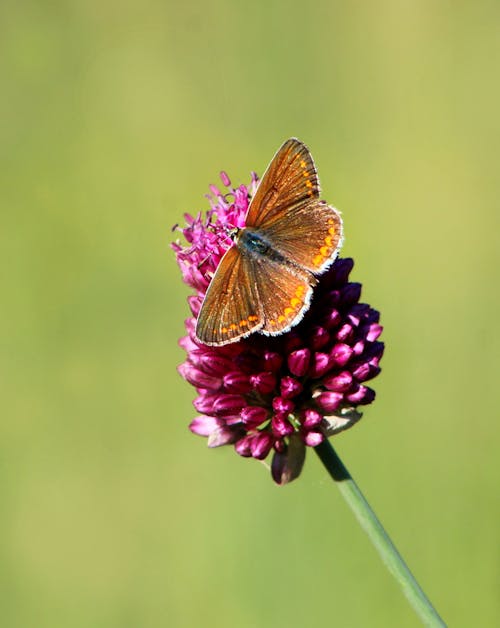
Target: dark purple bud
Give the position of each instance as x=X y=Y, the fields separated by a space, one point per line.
x=237 y=382
x=342 y=269
x=281 y=426
x=261 y=445
x=313 y=438
x=290 y=387
x=292 y=341
x=298 y=362
x=272 y=361
x=264 y=383
x=248 y=363
x=345 y=332
x=350 y=294
x=198 y=378
x=214 y=364
x=320 y=364
x=340 y=354
x=319 y=337
x=287 y=465
x=253 y=416
x=204 y=425
x=328 y=401
x=332 y=319
x=362 y=395
x=338 y=383
x=282 y=405
x=357 y=313
x=229 y=405
x=279 y=445
x=311 y=418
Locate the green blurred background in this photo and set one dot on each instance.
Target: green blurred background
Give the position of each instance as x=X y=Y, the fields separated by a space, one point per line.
x=114 y=118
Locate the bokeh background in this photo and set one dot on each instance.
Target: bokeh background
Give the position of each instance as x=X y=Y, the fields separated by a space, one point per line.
x=114 y=118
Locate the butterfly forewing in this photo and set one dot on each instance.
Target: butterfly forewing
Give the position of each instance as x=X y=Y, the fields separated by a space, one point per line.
x=231 y=308
x=290 y=178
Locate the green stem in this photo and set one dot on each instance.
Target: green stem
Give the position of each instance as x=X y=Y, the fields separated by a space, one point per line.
x=378 y=535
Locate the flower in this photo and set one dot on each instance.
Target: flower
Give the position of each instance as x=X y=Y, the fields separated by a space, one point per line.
x=283 y=393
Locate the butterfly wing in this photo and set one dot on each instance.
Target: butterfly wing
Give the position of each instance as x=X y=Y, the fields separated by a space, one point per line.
x=290 y=178
x=284 y=294
x=308 y=234
x=289 y=215
x=228 y=311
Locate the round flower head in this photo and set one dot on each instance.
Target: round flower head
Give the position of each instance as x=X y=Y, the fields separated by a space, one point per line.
x=276 y=394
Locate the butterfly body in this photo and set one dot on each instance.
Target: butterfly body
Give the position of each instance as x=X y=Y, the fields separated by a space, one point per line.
x=264 y=281
x=256 y=245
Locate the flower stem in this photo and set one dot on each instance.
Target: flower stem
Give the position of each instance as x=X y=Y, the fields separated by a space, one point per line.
x=378 y=535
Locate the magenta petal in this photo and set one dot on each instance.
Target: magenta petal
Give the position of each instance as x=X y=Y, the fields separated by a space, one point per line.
x=282 y=405
x=311 y=418
x=253 y=416
x=374 y=332
x=344 y=333
x=320 y=364
x=338 y=383
x=290 y=387
x=194 y=302
x=362 y=395
x=229 y=404
x=214 y=364
x=199 y=379
x=204 y=425
x=242 y=446
x=264 y=383
x=329 y=401
x=298 y=362
x=341 y=354
x=312 y=439
x=225 y=179
x=261 y=445
x=365 y=371
x=205 y=403
x=281 y=426
x=237 y=382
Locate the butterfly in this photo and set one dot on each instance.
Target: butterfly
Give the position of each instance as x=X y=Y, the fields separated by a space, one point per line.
x=264 y=282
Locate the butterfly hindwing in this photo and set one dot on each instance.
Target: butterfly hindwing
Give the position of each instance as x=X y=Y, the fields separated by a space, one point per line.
x=309 y=234
x=290 y=178
x=230 y=309
x=284 y=294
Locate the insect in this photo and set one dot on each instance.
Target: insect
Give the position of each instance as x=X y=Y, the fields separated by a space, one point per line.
x=265 y=280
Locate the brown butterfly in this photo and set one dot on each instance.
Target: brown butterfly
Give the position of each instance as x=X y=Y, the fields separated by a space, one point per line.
x=264 y=281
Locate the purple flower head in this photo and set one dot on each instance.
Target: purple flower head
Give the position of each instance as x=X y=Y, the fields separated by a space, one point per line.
x=276 y=395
